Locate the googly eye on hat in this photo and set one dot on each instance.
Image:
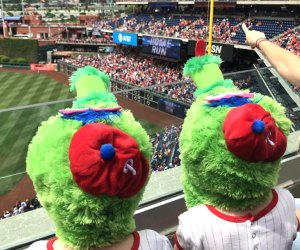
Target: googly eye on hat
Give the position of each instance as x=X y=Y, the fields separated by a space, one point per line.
x=105 y=160
x=252 y=135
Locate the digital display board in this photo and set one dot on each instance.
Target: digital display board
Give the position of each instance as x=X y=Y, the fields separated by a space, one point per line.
x=172 y=107
x=161 y=46
x=225 y=51
x=96 y=32
x=125 y=38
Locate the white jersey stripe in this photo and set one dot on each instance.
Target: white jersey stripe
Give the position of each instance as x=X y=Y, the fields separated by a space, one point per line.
x=148 y=241
x=151 y=240
x=274 y=228
x=266 y=233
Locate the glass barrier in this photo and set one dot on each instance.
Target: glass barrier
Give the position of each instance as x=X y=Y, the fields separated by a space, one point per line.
x=21 y=124
x=159 y=113
x=16 y=133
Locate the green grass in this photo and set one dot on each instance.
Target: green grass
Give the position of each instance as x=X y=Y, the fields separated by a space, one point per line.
x=18 y=127
x=19 y=89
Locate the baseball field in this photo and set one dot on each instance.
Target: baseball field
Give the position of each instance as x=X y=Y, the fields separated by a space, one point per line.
x=20 y=90
x=18 y=126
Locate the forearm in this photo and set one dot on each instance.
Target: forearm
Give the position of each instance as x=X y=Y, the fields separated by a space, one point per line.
x=285 y=62
x=298 y=217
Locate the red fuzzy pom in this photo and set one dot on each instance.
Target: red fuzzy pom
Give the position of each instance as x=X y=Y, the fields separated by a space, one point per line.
x=200 y=48
x=123 y=174
x=248 y=139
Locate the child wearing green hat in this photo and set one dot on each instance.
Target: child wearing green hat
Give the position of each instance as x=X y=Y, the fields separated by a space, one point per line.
x=89 y=165
x=231 y=145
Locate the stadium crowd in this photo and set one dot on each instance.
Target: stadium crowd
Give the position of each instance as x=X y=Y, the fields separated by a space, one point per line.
x=185 y=27
x=21 y=207
x=140 y=71
x=290 y=40
x=166 y=150
x=133 y=69
x=225 y=29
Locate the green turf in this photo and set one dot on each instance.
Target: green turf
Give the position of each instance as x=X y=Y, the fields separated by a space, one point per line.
x=17 y=131
x=19 y=89
x=18 y=127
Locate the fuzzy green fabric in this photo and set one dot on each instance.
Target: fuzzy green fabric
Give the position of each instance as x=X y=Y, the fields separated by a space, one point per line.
x=213 y=175
x=82 y=221
x=210 y=173
x=204 y=70
x=96 y=100
x=92 y=88
x=196 y=64
x=224 y=83
x=87 y=71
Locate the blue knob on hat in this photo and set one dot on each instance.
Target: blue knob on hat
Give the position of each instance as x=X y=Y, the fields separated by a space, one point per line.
x=107 y=152
x=258 y=126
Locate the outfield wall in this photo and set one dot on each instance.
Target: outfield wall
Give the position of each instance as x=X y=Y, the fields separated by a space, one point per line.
x=14 y=47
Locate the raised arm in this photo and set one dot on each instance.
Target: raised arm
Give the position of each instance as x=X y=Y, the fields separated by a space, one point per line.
x=285 y=62
x=298 y=217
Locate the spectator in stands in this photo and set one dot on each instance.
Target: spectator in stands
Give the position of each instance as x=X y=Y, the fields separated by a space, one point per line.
x=15 y=210
x=140 y=71
x=21 y=207
x=289 y=40
x=197 y=28
x=6 y=214
x=286 y=63
x=165 y=144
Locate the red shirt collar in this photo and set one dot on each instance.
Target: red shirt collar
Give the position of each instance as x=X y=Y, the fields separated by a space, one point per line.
x=50 y=243
x=247 y=217
x=136 y=241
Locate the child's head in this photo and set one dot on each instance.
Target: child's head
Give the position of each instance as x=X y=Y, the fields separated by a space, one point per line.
x=231 y=144
x=89 y=167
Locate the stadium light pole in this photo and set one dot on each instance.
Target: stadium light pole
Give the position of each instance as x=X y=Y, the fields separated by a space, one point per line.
x=2 y=15
x=22 y=7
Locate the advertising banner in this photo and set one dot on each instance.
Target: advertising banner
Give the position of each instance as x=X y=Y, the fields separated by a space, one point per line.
x=125 y=38
x=225 y=51
x=47 y=67
x=172 y=107
x=152 y=100
x=161 y=46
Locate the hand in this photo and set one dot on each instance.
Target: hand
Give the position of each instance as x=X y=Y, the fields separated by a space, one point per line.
x=252 y=36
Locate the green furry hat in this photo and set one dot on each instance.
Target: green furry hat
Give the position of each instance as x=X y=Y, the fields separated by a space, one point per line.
x=89 y=165
x=231 y=141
